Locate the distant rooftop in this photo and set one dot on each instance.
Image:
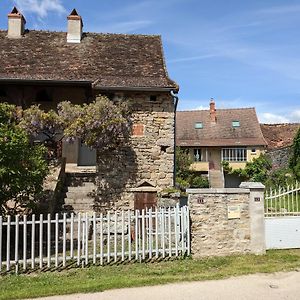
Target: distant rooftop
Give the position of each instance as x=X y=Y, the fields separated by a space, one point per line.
x=232 y=127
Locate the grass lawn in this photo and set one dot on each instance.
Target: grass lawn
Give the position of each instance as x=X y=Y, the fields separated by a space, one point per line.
x=96 y=278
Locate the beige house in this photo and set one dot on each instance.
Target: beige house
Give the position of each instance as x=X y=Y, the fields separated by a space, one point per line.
x=44 y=67
x=216 y=135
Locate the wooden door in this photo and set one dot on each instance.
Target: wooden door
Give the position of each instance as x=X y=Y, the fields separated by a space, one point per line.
x=143 y=200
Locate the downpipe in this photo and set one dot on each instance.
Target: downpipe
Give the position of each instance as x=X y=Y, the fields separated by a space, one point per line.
x=175 y=102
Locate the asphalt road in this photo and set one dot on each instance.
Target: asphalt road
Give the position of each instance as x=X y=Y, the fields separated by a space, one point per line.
x=258 y=286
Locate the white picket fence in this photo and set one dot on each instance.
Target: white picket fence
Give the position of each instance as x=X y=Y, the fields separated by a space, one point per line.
x=40 y=242
x=284 y=201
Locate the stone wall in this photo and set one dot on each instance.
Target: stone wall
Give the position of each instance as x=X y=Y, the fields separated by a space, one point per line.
x=226 y=221
x=280 y=157
x=149 y=159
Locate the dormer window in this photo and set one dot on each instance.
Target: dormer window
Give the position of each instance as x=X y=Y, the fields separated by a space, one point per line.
x=235 y=124
x=198 y=125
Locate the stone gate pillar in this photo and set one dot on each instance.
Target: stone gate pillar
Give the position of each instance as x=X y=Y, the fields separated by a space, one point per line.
x=257 y=216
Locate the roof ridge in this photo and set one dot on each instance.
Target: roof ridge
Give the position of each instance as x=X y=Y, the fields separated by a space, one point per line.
x=94 y=33
x=217 y=109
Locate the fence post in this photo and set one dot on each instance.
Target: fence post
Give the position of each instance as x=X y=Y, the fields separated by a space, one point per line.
x=17 y=244
x=8 y=244
x=1 y=236
x=33 y=242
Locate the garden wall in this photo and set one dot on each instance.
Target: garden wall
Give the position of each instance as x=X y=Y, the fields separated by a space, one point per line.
x=227 y=221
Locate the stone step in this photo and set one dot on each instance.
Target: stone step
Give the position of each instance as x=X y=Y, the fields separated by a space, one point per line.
x=81 y=188
x=72 y=201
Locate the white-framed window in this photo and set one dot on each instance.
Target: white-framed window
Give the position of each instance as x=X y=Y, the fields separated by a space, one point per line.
x=197 y=155
x=234 y=154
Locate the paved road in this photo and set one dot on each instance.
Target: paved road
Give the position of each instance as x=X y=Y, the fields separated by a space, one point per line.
x=260 y=286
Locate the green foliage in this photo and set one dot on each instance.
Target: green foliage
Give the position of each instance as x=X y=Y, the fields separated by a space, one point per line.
x=22 y=166
x=280 y=178
x=294 y=162
x=257 y=170
x=185 y=177
x=199 y=182
x=183 y=162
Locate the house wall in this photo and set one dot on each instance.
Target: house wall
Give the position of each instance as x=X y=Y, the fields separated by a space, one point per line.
x=147 y=163
x=214 y=155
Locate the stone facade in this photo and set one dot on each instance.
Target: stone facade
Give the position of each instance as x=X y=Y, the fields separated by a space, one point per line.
x=216 y=232
x=148 y=162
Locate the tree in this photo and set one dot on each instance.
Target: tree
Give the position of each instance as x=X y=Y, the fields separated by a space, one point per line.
x=185 y=177
x=294 y=162
x=101 y=125
x=257 y=170
x=22 y=165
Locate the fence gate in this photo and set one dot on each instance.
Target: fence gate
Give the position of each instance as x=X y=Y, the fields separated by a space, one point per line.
x=282 y=218
x=31 y=242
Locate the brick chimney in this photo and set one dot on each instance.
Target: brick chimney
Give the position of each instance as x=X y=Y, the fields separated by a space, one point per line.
x=212 y=111
x=16 y=24
x=75 y=25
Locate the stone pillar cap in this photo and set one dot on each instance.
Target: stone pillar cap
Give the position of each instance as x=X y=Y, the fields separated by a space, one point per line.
x=252 y=185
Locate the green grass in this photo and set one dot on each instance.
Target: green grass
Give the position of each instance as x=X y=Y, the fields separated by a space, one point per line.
x=96 y=278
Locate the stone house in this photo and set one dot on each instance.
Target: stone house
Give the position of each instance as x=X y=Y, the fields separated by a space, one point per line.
x=46 y=67
x=216 y=135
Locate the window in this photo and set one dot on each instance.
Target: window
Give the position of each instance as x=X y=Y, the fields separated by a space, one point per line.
x=153 y=98
x=197 y=155
x=235 y=123
x=253 y=150
x=198 y=125
x=234 y=154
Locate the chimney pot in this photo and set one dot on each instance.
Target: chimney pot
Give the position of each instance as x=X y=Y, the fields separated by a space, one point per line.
x=75 y=25
x=212 y=111
x=16 y=24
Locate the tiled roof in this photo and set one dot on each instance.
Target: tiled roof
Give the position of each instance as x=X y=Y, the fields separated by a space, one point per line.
x=220 y=133
x=279 y=135
x=109 y=60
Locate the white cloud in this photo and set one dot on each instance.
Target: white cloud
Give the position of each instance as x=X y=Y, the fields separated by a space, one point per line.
x=40 y=7
x=295 y=116
x=270 y=118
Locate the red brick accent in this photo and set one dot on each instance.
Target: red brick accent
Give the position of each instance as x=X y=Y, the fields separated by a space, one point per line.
x=138 y=129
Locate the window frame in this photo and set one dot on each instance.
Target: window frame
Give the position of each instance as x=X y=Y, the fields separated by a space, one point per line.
x=237 y=154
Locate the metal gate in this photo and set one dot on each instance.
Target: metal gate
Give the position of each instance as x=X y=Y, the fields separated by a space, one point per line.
x=282 y=218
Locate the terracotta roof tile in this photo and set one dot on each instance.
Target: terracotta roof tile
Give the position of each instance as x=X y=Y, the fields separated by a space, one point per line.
x=110 y=60
x=279 y=135
x=220 y=133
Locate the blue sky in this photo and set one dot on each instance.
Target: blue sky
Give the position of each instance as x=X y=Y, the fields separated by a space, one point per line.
x=242 y=53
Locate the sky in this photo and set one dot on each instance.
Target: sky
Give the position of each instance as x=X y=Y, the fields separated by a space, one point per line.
x=241 y=53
